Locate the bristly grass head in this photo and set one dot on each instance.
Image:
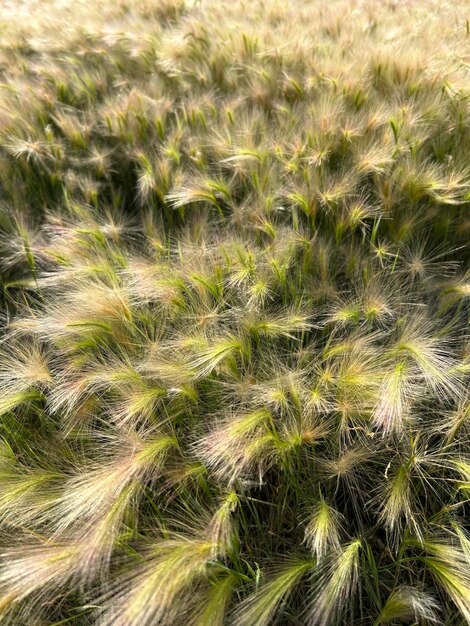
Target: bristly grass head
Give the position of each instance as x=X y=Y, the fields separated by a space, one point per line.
x=234 y=307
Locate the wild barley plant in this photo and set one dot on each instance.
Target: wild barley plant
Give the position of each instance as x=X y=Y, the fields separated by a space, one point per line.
x=235 y=285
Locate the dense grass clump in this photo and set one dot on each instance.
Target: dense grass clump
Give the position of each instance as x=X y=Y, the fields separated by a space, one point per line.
x=234 y=355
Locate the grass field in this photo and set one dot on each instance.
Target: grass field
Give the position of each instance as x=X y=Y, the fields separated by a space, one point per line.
x=234 y=313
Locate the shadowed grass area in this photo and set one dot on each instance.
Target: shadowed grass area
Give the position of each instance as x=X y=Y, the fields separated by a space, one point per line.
x=234 y=313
